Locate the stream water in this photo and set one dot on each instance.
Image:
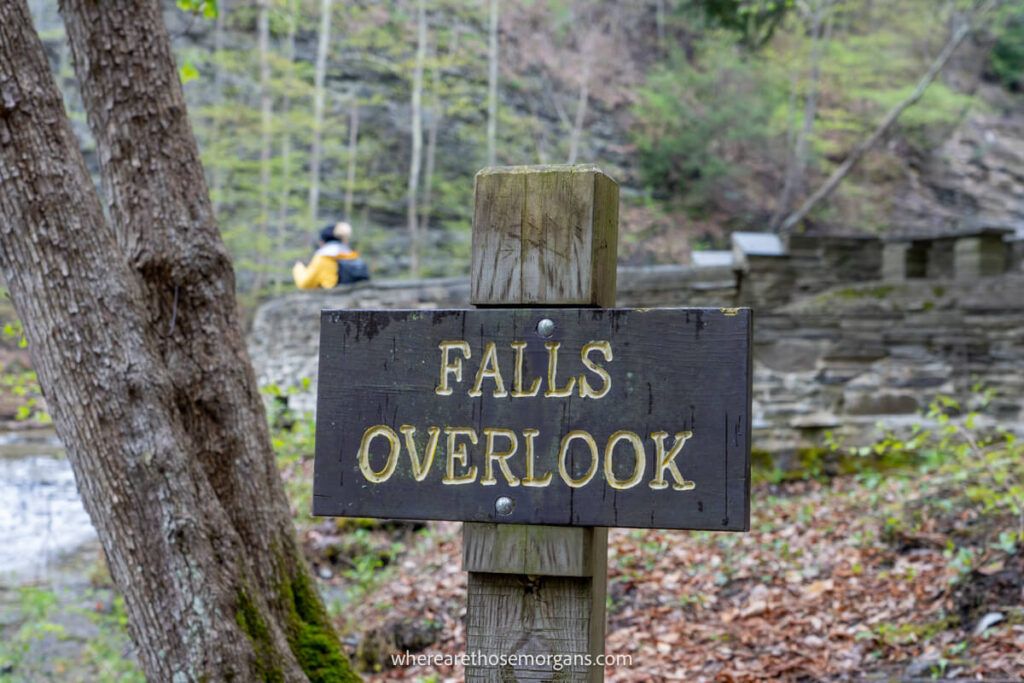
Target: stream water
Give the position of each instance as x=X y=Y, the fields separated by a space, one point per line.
x=42 y=520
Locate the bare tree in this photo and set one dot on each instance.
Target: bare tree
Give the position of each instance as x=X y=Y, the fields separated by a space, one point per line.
x=416 y=156
x=818 y=13
x=319 y=76
x=581 y=107
x=286 y=133
x=587 y=65
x=133 y=330
x=218 y=93
x=437 y=114
x=353 y=155
x=266 y=126
x=492 y=84
x=966 y=27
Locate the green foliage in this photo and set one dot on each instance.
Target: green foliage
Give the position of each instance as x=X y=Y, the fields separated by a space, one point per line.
x=964 y=466
x=754 y=20
x=694 y=119
x=22 y=383
x=188 y=72
x=204 y=8
x=36 y=607
x=1007 y=59
x=41 y=616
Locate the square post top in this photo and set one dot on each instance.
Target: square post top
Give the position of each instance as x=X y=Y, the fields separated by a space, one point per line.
x=544 y=235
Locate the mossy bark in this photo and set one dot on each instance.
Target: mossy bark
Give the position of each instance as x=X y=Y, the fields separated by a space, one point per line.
x=133 y=330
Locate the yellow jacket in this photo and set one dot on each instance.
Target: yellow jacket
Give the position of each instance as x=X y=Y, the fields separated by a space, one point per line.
x=322 y=270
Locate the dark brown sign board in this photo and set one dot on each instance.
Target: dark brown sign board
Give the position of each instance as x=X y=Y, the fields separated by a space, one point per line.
x=563 y=416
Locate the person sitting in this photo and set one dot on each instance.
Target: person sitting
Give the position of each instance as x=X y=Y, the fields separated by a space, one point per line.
x=334 y=262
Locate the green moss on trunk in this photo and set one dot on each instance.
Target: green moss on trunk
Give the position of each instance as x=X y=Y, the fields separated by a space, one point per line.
x=251 y=622
x=311 y=636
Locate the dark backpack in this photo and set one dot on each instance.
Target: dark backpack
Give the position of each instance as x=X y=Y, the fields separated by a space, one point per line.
x=352 y=270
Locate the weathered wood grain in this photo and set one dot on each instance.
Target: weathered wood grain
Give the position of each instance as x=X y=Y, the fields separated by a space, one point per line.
x=673 y=371
x=510 y=614
x=544 y=235
x=513 y=613
x=532 y=549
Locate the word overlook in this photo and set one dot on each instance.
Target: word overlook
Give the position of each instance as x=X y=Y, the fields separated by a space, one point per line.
x=480 y=455
x=564 y=416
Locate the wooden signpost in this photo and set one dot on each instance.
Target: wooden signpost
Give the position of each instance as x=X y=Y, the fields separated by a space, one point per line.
x=540 y=421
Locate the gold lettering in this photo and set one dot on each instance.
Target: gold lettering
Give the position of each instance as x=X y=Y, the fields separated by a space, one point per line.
x=457 y=451
x=517 y=382
x=453 y=368
x=638 y=467
x=587 y=391
x=489 y=368
x=666 y=461
x=490 y=455
x=553 y=391
x=563 y=452
x=420 y=468
x=364 y=453
x=530 y=479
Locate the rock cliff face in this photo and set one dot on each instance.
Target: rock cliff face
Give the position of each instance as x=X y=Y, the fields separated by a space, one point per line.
x=977 y=172
x=972 y=170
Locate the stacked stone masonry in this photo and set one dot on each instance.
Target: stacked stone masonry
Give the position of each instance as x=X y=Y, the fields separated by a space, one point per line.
x=849 y=338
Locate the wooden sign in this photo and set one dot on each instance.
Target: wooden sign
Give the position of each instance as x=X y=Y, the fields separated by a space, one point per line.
x=582 y=417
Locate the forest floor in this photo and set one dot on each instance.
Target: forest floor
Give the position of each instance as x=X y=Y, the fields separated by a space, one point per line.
x=858 y=578
x=894 y=576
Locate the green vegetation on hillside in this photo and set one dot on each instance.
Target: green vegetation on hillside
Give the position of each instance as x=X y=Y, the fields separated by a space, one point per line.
x=713 y=114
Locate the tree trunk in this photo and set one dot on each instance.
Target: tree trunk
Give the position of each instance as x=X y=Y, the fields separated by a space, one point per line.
x=319 y=76
x=353 y=152
x=286 y=134
x=134 y=334
x=492 y=85
x=887 y=122
x=796 y=171
x=266 y=123
x=416 y=158
x=218 y=95
x=428 y=171
x=435 y=113
x=659 y=23
x=581 y=108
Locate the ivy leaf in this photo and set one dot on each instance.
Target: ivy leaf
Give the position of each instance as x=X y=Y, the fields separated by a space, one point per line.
x=188 y=72
x=208 y=8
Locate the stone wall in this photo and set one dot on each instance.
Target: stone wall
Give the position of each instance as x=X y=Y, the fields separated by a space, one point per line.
x=856 y=358
x=847 y=358
x=284 y=339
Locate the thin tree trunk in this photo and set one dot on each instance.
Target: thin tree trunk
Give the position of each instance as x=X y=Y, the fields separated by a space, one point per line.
x=218 y=90
x=134 y=334
x=659 y=21
x=286 y=135
x=266 y=124
x=318 y=110
x=417 y=135
x=492 y=85
x=353 y=152
x=796 y=170
x=435 y=115
x=581 y=108
x=428 y=172
x=887 y=122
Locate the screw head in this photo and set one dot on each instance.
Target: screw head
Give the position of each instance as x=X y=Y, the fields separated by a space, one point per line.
x=546 y=327
x=504 y=506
